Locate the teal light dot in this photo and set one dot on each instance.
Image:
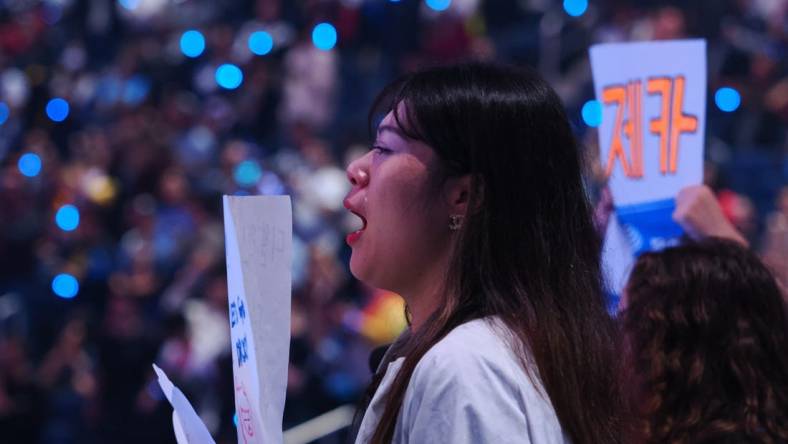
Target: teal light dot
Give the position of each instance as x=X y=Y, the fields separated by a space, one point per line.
x=324 y=36
x=261 y=43
x=65 y=286
x=67 y=218
x=29 y=164
x=439 y=5
x=727 y=99
x=57 y=109
x=575 y=8
x=592 y=113
x=247 y=173
x=229 y=76
x=192 y=43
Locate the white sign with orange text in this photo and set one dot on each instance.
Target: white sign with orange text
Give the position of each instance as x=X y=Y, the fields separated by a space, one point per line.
x=651 y=138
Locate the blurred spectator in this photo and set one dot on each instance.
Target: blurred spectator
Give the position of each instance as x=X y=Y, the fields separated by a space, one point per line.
x=775 y=242
x=309 y=85
x=22 y=402
x=67 y=374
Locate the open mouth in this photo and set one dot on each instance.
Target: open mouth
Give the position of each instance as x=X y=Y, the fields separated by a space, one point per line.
x=361 y=223
x=358 y=226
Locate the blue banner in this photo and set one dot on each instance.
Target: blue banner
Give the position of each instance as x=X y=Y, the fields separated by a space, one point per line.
x=649 y=226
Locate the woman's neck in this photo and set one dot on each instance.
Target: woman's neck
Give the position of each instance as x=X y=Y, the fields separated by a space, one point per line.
x=422 y=300
x=420 y=310
x=425 y=291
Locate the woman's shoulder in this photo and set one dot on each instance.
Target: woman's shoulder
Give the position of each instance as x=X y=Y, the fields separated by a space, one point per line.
x=475 y=384
x=480 y=354
x=481 y=342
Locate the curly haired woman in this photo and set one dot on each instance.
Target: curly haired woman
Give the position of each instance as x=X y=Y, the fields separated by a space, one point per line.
x=707 y=334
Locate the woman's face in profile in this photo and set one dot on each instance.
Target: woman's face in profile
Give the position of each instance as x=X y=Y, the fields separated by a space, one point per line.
x=404 y=231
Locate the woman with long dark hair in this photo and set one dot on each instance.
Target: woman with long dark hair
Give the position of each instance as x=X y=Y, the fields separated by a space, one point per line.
x=707 y=335
x=473 y=209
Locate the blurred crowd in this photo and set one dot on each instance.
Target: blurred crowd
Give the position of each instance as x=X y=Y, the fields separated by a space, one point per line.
x=151 y=142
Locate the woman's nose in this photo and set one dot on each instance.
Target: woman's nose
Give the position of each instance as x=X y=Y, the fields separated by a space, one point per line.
x=357 y=173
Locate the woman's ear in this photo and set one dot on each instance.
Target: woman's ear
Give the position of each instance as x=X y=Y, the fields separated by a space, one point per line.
x=459 y=192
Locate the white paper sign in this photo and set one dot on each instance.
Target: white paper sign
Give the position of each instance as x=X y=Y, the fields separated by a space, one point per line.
x=653 y=97
x=258 y=240
x=617 y=261
x=651 y=140
x=189 y=428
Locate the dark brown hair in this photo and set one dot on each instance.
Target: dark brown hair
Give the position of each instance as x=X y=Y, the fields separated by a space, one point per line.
x=706 y=329
x=528 y=253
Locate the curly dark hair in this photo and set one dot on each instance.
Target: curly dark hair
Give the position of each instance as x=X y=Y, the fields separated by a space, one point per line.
x=706 y=329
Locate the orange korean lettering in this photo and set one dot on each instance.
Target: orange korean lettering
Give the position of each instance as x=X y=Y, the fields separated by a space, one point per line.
x=680 y=123
x=633 y=128
x=616 y=95
x=639 y=126
x=660 y=125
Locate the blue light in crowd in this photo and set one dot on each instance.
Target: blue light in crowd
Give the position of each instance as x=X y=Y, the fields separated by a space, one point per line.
x=129 y=4
x=727 y=99
x=57 y=109
x=65 y=286
x=29 y=164
x=439 y=5
x=235 y=419
x=247 y=173
x=575 y=8
x=4 y=112
x=229 y=76
x=67 y=218
x=592 y=113
x=324 y=36
x=261 y=43
x=136 y=90
x=192 y=43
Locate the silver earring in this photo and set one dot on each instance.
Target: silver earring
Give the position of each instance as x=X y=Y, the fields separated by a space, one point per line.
x=455 y=222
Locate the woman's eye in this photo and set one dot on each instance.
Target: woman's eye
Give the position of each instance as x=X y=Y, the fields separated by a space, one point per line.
x=380 y=150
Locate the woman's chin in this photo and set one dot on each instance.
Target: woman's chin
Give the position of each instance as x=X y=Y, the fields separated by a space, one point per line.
x=357 y=268
x=360 y=270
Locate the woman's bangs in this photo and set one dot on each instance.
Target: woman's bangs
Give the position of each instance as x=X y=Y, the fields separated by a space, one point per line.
x=389 y=100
